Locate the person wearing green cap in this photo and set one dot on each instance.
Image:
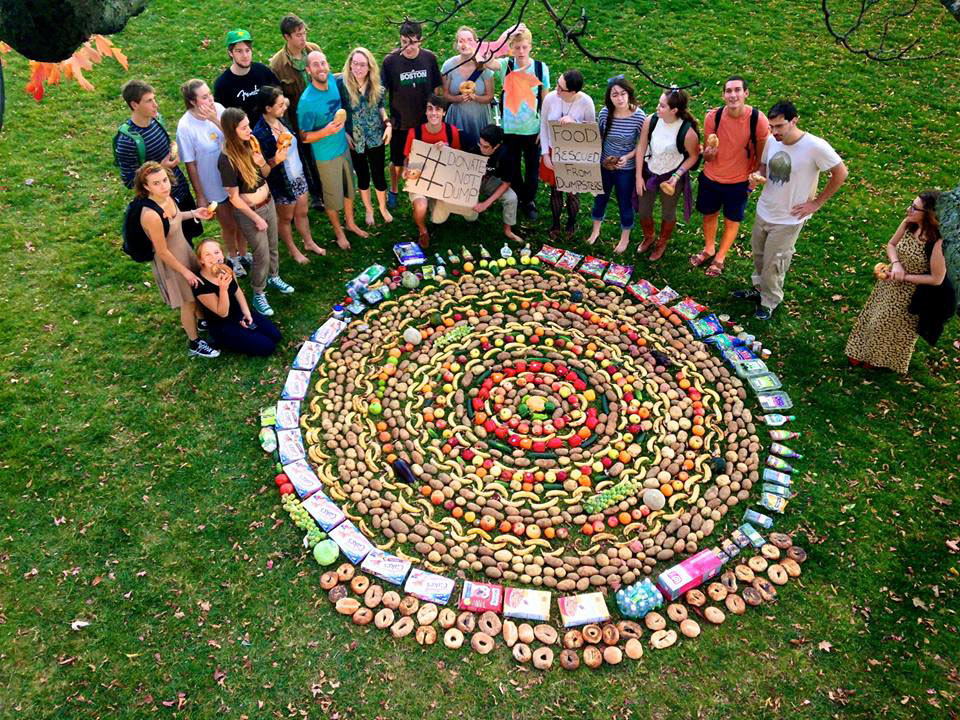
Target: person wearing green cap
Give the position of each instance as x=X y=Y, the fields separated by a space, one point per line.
x=239 y=85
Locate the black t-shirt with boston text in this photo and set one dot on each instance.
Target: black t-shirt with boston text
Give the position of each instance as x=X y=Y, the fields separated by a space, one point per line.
x=240 y=91
x=410 y=83
x=234 y=314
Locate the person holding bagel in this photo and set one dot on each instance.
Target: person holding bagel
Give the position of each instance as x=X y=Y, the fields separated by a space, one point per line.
x=467 y=87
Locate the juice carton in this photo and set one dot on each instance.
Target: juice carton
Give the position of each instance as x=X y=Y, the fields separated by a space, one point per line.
x=583 y=609
x=689 y=574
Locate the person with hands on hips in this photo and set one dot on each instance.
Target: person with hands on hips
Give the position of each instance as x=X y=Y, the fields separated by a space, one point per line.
x=174 y=265
x=243 y=170
x=233 y=325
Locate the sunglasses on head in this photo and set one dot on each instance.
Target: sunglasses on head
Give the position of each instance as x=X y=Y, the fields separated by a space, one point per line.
x=615 y=78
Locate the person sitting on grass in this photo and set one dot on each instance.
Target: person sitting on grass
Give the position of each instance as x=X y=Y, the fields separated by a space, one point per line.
x=287 y=179
x=233 y=326
x=175 y=266
x=434 y=132
x=242 y=171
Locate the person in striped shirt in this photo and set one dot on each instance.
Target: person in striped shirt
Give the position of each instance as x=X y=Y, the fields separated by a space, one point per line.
x=620 y=121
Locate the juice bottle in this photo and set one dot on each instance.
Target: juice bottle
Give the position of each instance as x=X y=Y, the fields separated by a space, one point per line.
x=784 y=451
x=779 y=435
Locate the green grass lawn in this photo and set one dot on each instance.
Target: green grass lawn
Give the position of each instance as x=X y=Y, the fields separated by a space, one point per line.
x=135 y=496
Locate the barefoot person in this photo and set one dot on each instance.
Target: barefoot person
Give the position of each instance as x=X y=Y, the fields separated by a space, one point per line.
x=467 y=87
x=670 y=151
x=200 y=139
x=368 y=127
x=175 y=266
x=233 y=326
x=620 y=121
x=287 y=180
x=735 y=136
x=321 y=126
x=242 y=170
x=433 y=132
x=791 y=167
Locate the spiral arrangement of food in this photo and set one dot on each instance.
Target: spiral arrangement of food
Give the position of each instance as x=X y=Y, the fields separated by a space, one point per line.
x=522 y=426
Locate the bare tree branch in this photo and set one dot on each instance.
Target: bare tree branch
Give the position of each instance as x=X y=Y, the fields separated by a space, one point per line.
x=879 y=52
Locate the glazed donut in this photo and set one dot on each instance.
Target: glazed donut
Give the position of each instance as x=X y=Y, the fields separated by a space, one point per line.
x=521 y=653
x=569 y=660
x=490 y=624
x=426 y=635
x=592 y=634
x=777 y=574
x=677 y=612
x=359 y=584
x=402 y=627
x=690 y=628
x=695 y=598
x=735 y=604
x=453 y=638
x=482 y=643
x=654 y=621
x=384 y=618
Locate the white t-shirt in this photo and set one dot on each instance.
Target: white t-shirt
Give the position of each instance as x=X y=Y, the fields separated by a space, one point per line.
x=200 y=141
x=581 y=109
x=793 y=172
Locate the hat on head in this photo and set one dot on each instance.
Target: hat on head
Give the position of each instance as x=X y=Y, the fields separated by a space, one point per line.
x=235 y=36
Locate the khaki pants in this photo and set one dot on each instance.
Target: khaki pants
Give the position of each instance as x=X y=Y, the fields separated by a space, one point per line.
x=263 y=243
x=773 y=247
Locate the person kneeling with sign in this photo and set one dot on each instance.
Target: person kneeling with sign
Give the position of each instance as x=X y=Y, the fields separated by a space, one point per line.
x=494 y=187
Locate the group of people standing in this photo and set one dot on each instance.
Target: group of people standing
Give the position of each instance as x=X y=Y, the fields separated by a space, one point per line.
x=270 y=140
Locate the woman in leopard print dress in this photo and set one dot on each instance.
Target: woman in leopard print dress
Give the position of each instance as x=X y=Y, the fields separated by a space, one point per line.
x=885 y=333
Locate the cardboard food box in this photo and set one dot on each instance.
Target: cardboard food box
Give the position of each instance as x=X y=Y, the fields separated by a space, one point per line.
x=583 y=609
x=304 y=480
x=526 y=604
x=385 y=566
x=290 y=445
x=429 y=586
x=327 y=333
x=480 y=597
x=353 y=543
x=287 y=414
x=308 y=356
x=322 y=509
x=687 y=575
x=296 y=386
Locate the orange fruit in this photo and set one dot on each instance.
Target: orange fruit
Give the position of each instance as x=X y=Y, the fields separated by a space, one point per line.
x=666 y=490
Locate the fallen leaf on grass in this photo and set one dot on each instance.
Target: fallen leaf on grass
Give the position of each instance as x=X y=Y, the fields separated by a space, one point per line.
x=79 y=624
x=220 y=676
x=825 y=645
x=918 y=603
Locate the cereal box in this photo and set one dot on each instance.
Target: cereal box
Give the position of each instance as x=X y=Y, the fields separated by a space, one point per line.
x=351 y=541
x=385 y=566
x=322 y=509
x=308 y=356
x=693 y=571
x=480 y=597
x=526 y=604
x=429 y=586
x=327 y=333
x=583 y=609
x=303 y=479
x=295 y=388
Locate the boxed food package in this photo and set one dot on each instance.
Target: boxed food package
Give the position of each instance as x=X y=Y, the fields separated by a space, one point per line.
x=353 y=544
x=526 y=604
x=308 y=356
x=594 y=266
x=569 y=260
x=322 y=509
x=295 y=388
x=429 y=586
x=756 y=539
x=687 y=575
x=290 y=445
x=327 y=333
x=409 y=253
x=480 y=597
x=287 y=415
x=302 y=477
x=387 y=567
x=583 y=609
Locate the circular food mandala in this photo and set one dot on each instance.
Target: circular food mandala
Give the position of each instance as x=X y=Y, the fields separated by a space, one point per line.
x=530 y=427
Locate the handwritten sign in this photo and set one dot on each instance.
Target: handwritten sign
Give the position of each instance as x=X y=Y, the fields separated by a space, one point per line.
x=576 y=157
x=445 y=174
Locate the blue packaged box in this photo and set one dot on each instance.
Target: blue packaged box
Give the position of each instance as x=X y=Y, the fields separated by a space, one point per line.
x=290 y=446
x=429 y=586
x=322 y=509
x=352 y=543
x=385 y=566
x=303 y=479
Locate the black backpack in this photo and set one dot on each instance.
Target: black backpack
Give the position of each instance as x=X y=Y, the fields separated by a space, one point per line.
x=136 y=244
x=447 y=129
x=754 y=119
x=681 y=138
x=538 y=71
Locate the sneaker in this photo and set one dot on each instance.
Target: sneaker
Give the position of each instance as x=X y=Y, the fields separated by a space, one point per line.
x=746 y=294
x=275 y=282
x=261 y=305
x=391 y=199
x=202 y=325
x=237 y=265
x=531 y=212
x=763 y=313
x=200 y=348
x=247 y=260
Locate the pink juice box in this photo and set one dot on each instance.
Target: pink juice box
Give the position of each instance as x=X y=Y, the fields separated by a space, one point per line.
x=480 y=597
x=385 y=566
x=583 y=609
x=322 y=509
x=687 y=575
x=526 y=604
x=353 y=544
x=302 y=477
x=429 y=586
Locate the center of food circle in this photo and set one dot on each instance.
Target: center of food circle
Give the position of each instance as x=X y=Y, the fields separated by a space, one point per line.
x=505 y=430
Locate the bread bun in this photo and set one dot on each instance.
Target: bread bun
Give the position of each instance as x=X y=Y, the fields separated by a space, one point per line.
x=713 y=141
x=340 y=116
x=212 y=207
x=881 y=271
x=468 y=87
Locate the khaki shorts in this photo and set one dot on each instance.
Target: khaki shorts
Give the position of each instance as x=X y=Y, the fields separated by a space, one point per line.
x=336 y=177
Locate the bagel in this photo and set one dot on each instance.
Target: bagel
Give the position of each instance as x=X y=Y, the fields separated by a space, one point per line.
x=758 y=563
x=752 y=597
x=777 y=574
x=391 y=599
x=543 y=658
x=633 y=649
x=409 y=605
x=337 y=593
x=329 y=580
x=347 y=605
x=482 y=643
x=490 y=624
x=714 y=615
x=402 y=627
x=716 y=591
x=569 y=660
x=690 y=628
x=373 y=596
x=384 y=618
x=610 y=634
x=770 y=551
x=729 y=581
x=572 y=639
x=767 y=591
x=663 y=639
x=447 y=618
x=360 y=584
x=592 y=634
x=427 y=613
x=510 y=633
x=695 y=598
x=453 y=638
x=546 y=634
x=521 y=653
x=426 y=635
x=677 y=612
x=743 y=573
x=791 y=566
x=592 y=657
x=781 y=540
x=363 y=616
x=630 y=629
x=654 y=621
x=466 y=622
x=713 y=141
x=797 y=553
x=468 y=87
x=612 y=655
x=735 y=604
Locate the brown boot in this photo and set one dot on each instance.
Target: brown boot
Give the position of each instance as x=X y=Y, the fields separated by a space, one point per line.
x=666 y=230
x=649 y=234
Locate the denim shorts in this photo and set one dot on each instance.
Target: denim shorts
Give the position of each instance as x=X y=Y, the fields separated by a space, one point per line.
x=712 y=196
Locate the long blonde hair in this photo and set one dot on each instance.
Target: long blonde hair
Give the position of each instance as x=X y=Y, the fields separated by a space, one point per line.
x=239 y=152
x=374 y=88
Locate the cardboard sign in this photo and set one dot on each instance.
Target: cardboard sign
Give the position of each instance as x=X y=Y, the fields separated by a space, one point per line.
x=445 y=174
x=576 y=157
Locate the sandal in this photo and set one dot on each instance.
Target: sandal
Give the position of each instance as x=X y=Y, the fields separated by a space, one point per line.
x=715 y=269
x=701 y=258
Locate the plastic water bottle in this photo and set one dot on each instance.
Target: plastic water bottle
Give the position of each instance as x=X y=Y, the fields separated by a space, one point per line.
x=775 y=419
x=505 y=251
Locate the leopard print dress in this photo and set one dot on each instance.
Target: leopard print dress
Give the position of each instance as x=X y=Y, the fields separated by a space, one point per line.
x=885 y=333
